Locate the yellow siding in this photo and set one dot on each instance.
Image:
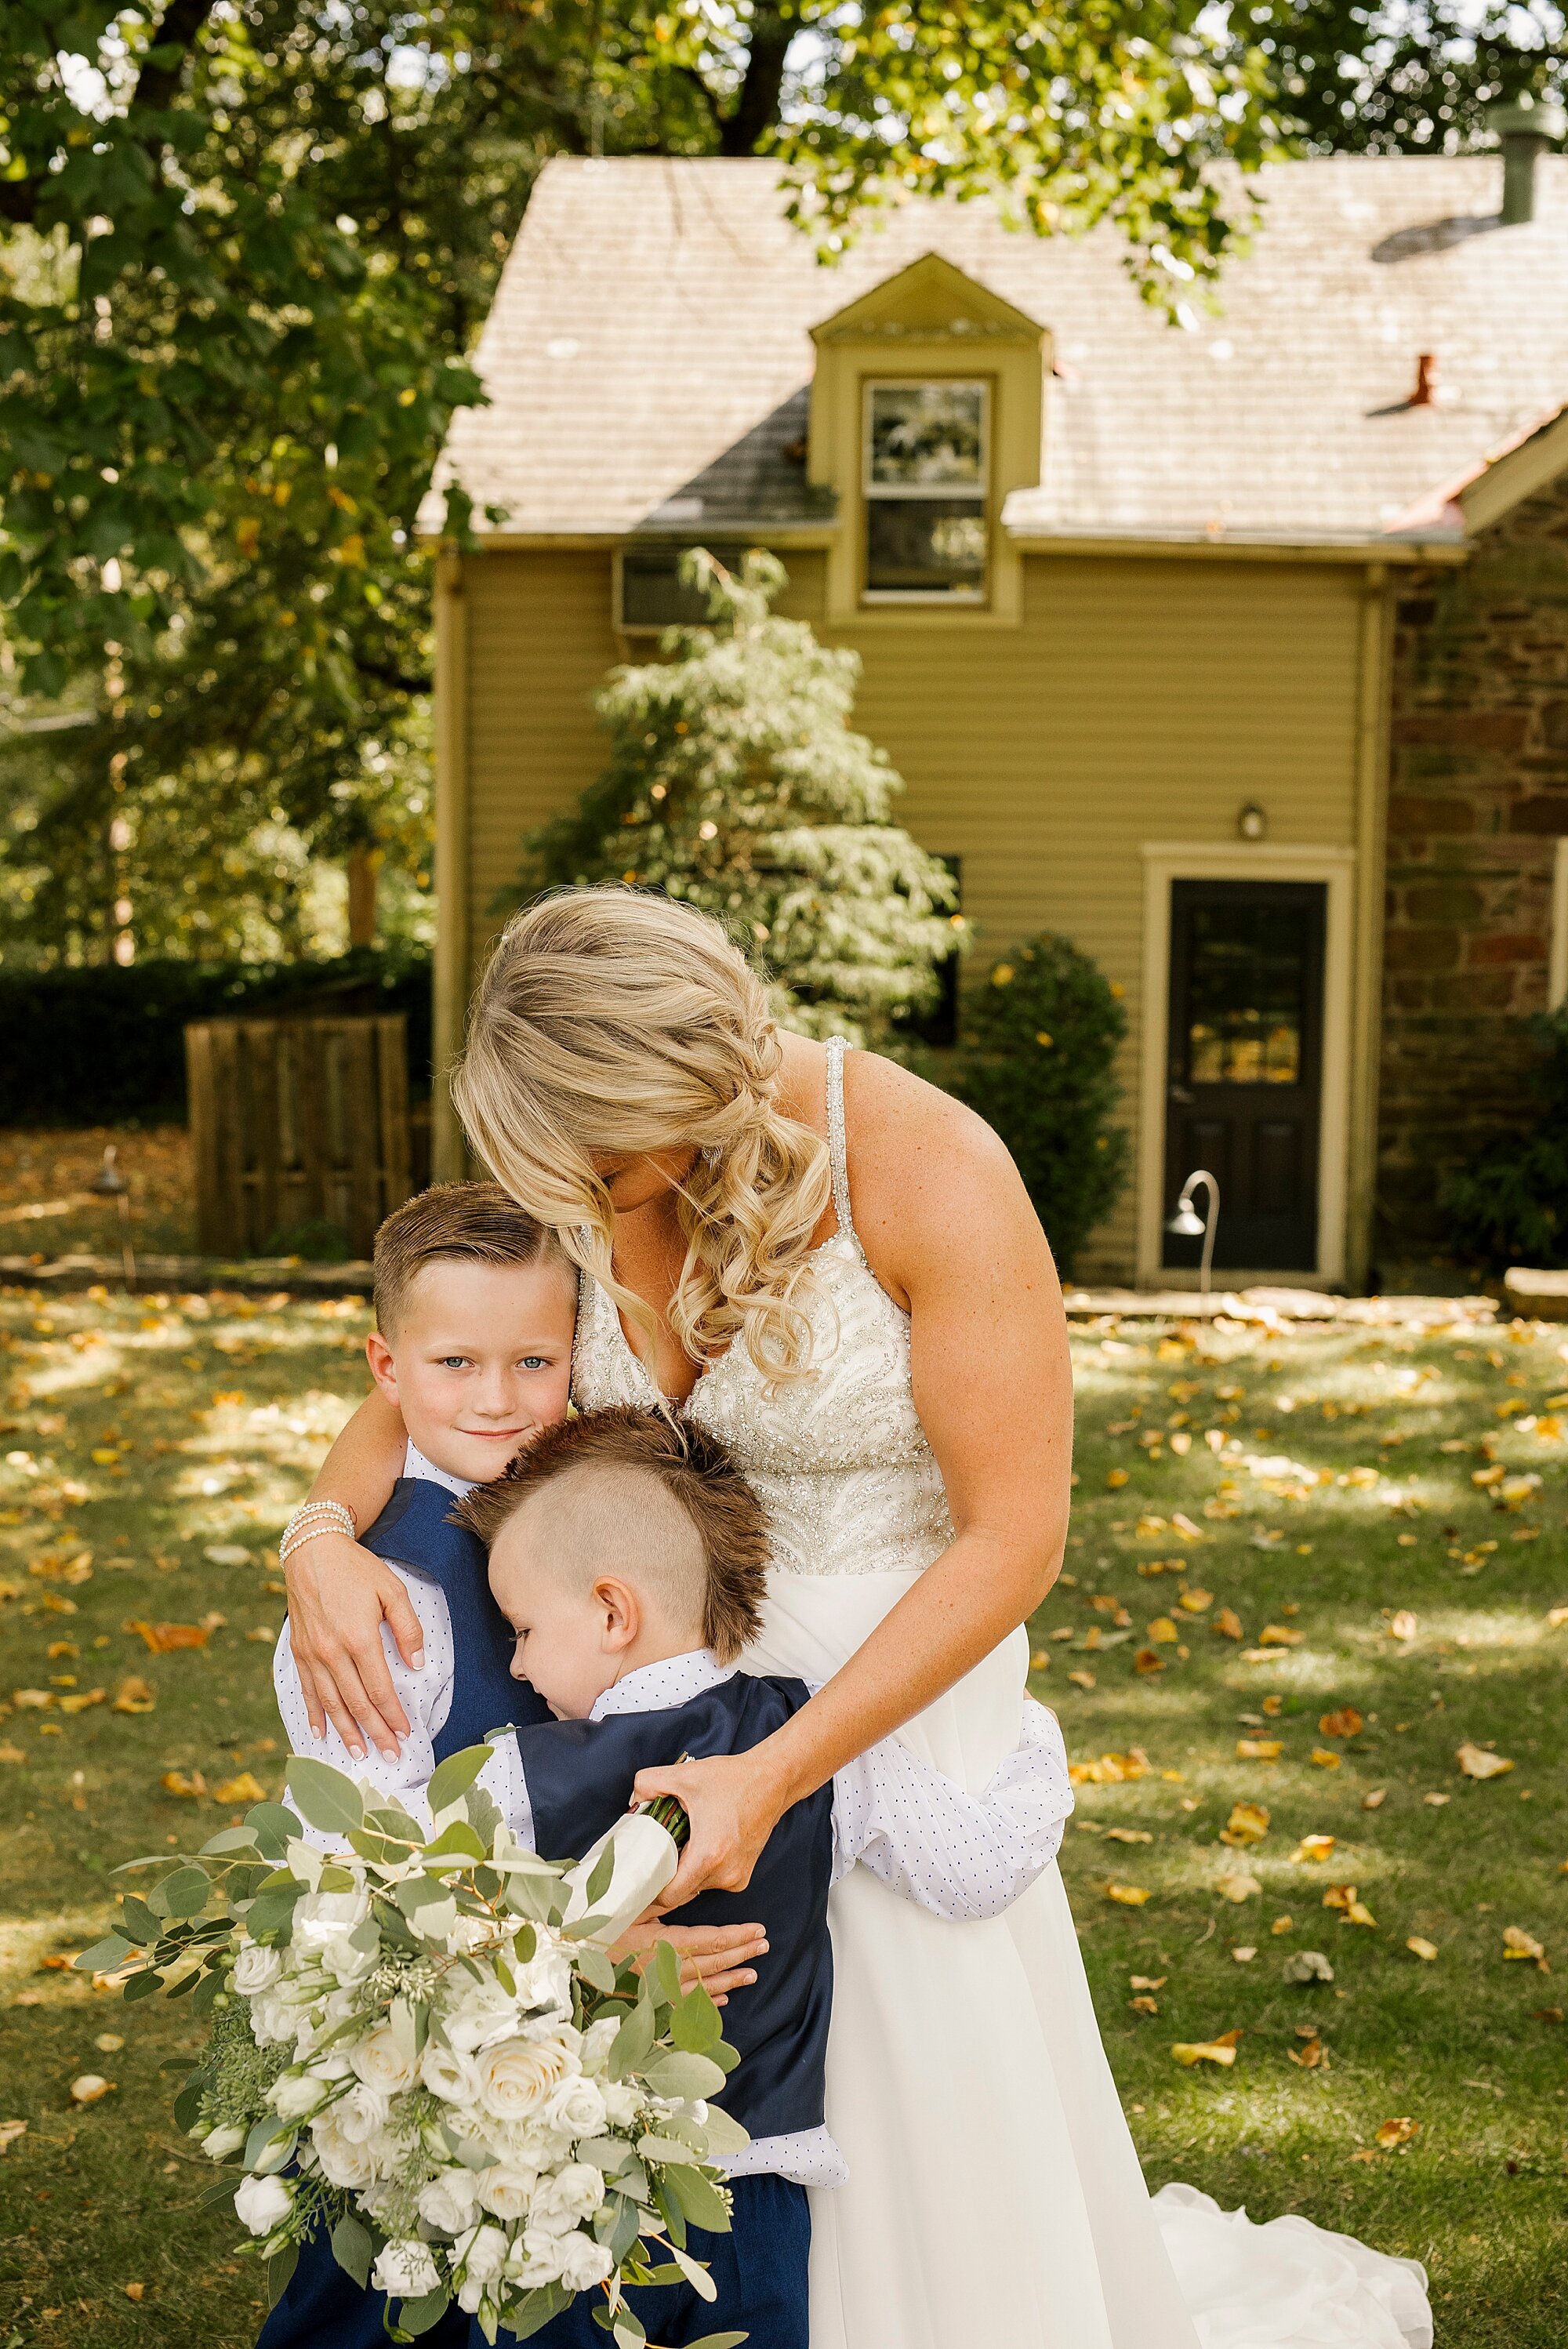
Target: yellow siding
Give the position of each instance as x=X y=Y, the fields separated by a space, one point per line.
x=1139 y=700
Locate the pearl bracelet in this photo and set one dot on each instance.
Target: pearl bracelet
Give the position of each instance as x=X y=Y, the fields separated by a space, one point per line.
x=314 y=1517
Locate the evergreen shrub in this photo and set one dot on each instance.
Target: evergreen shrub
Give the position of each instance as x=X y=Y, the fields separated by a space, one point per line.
x=736 y=784
x=100 y=1045
x=1039 y=1041
x=1510 y=1204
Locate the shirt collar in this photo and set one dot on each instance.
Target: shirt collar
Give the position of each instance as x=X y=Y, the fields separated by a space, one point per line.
x=415 y=1464
x=654 y=1688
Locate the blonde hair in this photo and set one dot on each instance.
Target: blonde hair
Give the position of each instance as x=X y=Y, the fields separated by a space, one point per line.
x=614 y=1020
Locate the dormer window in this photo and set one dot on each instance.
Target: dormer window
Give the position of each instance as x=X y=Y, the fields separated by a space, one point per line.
x=925 y=478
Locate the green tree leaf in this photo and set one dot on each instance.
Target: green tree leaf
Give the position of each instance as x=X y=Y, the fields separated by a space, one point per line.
x=452 y=1778
x=326 y=1799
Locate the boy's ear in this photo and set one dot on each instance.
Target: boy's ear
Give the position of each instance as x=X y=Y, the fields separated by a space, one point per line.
x=383 y=1370
x=622 y=1617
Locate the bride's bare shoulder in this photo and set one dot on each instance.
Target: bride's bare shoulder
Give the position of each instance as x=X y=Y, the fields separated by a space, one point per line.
x=924 y=1169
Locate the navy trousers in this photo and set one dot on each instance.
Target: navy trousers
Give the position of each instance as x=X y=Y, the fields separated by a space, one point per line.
x=323 y=2308
x=759 y=2267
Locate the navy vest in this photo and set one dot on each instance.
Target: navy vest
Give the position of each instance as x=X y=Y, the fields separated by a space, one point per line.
x=415 y=1531
x=580 y=1776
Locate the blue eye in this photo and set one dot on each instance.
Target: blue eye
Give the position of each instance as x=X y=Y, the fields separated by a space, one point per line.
x=453 y=1362
x=535 y=1362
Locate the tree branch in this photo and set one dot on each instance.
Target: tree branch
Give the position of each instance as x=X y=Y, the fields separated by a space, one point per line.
x=756 y=109
x=180 y=23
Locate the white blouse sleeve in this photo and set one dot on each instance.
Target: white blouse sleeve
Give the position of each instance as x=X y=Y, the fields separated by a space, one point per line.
x=962 y=1856
x=426 y=1697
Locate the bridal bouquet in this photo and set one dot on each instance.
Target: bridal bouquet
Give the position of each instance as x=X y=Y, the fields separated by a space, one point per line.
x=421 y=2045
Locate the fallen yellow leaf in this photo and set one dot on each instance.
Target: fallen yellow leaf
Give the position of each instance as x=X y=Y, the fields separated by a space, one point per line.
x=1148 y=1981
x=10 y=2131
x=1346 y=1722
x=1243 y=1956
x=1400 y=2132
x=1248 y=1823
x=1314 y=1847
x=1144 y=2005
x=1127 y=1835
x=1081 y=1680
x=1325 y=1759
x=32 y=1700
x=1312 y=2056
x=1228 y=1624
x=1518 y=1943
x=1422 y=1947
x=1279 y=1635
x=175 y=1781
x=164 y=1638
x=1115 y=1479
x=1207 y=2050
x=1282 y=1925
x=134 y=1695
x=1237 y=1885
x=12 y=1754
x=245 y=1788
x=1477 y=1763
x=134 y=2291
x=80 y=1702
x=1146 y=1661
x=1196 y=1602
x=1376 y=1799
x=1110 y=1769
x=1128 y=1896
x=89 y=2087
x=1163 y=1632
x=1259 y=1749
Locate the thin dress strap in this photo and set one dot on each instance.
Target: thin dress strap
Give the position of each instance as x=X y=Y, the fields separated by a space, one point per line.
x=838 y=1151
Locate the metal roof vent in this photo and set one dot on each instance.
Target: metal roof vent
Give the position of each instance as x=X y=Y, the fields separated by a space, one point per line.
x=1525 y=126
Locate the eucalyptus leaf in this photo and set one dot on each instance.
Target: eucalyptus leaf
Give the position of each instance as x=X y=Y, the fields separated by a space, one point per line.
x=186 y=1891
x=104 y=1956
x=325 y=1798
x=695 y=2025
x=354 y=2249
x=417 y=2316
x=630 y=2048
x=682 y=2075
x=280 y=2270
x=143 y=1985
x=451 y=1779
x=698 y=2198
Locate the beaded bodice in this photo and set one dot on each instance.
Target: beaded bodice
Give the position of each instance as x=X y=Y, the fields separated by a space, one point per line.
x=838 y=1459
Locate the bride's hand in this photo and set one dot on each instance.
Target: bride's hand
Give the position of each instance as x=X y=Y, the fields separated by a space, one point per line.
x=734 y=1804
x=721 y=1956
x=340 y=1596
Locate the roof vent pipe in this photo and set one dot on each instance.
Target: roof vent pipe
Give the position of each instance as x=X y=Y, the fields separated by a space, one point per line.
x=1523 y=127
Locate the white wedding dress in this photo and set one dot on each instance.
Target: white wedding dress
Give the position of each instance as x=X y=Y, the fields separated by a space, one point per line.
x=994 y=2196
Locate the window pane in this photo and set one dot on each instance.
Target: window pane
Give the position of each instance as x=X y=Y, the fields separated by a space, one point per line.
x=934 y=546
x=1246 y=995
x=652 y=595
x=927 y=433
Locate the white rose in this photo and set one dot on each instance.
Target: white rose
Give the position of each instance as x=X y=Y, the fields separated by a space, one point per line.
x=447 y=2202
x=274 y=2021
x=597 y=2041
x=263 y=2204
x=294 y=2094
x=405 y=2271
x=380 y=2063
x=517 y=2078
x=469 y=2296
x=546 y=1980
x=583 y=2263
x=506 y=2192
x=361 y=2114
x=256 y=1968
x=220 y=2143
x=452 y=2077
x=543 y=2257
x=572 y=2194
x=318 y=1916
x=346 y=2161
x=622 y=2102
x=340 y=1957
x=578 y=2106
x=481 y=2253
x=481 y=2014
x=469 y=1933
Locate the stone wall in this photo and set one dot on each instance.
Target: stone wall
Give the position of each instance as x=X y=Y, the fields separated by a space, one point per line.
x=1477 y=796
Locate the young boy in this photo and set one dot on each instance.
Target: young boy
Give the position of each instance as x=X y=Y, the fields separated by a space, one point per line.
x=630 y=1557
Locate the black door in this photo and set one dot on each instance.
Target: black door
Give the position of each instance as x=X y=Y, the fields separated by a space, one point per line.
x=1244 y=1067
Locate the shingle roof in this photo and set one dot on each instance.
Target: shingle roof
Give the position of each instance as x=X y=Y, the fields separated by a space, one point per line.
x=649 y=343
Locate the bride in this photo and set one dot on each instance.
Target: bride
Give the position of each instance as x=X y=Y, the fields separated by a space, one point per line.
x=836 y=1268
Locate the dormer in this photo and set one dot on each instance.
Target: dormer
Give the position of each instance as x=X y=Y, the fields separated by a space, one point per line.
x=926 y=411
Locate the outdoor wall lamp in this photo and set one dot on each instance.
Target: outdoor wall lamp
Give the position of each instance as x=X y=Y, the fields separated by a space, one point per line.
x=108 y=1183
x=1253 y=824
x=1186 y=1226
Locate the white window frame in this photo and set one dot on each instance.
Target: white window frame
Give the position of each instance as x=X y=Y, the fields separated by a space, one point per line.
x=880 y=492
x=1168 y=861
x=1557 y=967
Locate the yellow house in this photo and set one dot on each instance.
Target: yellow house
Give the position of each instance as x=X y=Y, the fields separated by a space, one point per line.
x=1126 y=592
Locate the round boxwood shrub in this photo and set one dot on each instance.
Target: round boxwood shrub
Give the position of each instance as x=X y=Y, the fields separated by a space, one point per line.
x=1039 y=1039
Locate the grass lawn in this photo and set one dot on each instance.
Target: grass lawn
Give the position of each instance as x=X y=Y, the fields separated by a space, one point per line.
x=151 y=1449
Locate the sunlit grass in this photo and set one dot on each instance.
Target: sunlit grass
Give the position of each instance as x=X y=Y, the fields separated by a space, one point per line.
x=213 y=1415
x=1482 y=2191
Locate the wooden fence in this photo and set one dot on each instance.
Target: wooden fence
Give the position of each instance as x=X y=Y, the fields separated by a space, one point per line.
x=297 y=1123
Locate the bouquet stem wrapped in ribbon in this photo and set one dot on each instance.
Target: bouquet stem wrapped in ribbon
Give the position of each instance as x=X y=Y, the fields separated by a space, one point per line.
x=421 y=2044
